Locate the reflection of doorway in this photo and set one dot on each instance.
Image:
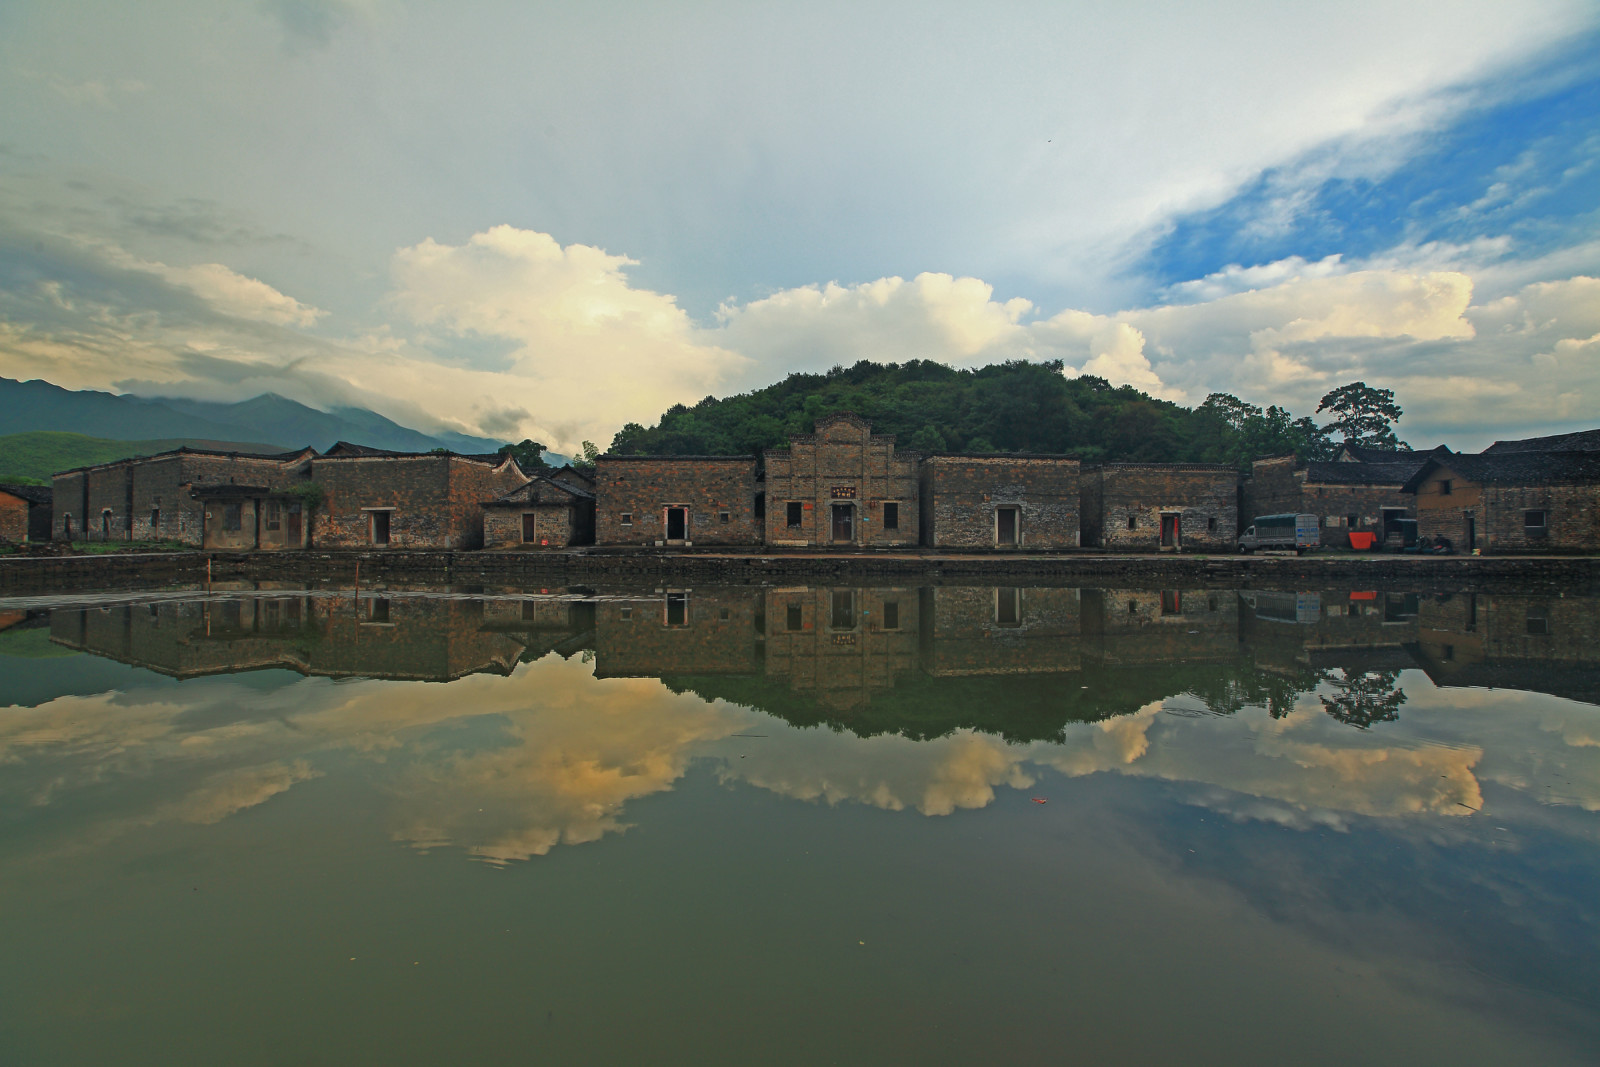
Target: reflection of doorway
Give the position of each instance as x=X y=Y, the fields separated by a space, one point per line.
x=1171 y=532
x=842 y=524
x=843 y=614
x=677 y=524
x=677 y=609
x=1005 y=526
x=1472 y=533
x=1008 y=606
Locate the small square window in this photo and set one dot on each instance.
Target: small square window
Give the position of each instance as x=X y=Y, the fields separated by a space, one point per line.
x=626 y=613
x=1533 y=520
x=1211 y=524
x=724 y=517
x=1538 y=624
x=1444 y=487
x=724 y=614
x=627 y=518
x=793 y=512
x=891 y=516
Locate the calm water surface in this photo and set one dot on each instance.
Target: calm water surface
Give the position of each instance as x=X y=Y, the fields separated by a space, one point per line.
x=953 y=824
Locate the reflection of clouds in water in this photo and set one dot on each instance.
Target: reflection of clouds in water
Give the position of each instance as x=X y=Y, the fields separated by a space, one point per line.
x=507 y=768
x=888 y=771
x=223 y=794
x=563 y=769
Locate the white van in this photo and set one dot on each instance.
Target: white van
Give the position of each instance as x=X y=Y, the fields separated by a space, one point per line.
x=1289 y=532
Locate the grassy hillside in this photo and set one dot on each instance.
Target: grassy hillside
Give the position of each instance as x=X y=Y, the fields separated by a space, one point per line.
x=34 y=457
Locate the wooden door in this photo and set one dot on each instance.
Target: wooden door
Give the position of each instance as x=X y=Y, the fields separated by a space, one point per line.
x=1169 y=531
x=842 y=522
x=1006 y=526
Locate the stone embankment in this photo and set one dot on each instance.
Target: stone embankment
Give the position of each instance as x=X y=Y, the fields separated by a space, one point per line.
x=19 y=574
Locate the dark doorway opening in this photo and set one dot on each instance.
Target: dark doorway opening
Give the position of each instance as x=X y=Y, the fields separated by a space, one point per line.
x=677 y=524
x=294 y=524
x=1171 y=531
x=1472 y=533
x=843 y=615
x=677 y=609
x=1006 y=526
x=530 y=528
x=380 y=527
x=843 y=514
x=1008 y=606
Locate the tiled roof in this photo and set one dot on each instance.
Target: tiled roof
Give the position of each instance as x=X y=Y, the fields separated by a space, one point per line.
x=1517 y=468
x=1582 y=441
x=346 y=450
x=538 y=483
x=1343 y=472
x=185 y=450
x=33 y=494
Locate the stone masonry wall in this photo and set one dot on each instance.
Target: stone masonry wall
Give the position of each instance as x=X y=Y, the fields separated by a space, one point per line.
x=1132 y=498
x=415 y=487
x=502 y=526
x=844 y=463
x=632 y=494
x=1273 y=488
x=961 y=494
x=13 y=518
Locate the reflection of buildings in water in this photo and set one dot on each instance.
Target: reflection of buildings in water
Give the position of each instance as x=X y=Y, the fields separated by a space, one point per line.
x=971 y=630
x=679 y=631
x=841 y=643
x=1543 y=644
x=1359 y=630
x=1125 y=627
x=375 y=635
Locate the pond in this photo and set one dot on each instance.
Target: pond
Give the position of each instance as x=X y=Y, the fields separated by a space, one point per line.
x=799 y=825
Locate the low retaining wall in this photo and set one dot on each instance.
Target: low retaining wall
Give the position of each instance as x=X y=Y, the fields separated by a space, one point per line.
x=69 y=573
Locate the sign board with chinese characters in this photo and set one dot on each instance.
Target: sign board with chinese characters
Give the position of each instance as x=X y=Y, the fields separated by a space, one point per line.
x=844 y=492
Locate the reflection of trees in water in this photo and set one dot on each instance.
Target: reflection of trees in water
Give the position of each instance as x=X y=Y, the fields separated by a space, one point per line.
x=1019 y=708
x=1362 y=699
x=1256 y=688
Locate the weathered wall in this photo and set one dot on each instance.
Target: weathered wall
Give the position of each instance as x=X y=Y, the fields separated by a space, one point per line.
x=1273 y=488
x=13 y=518
x=1342 y=508
x=216 y=515
x=843 y=463
x=436 y=500
x=640 y=488
x=961 y=495
x=554 y=525
x=1131 y=498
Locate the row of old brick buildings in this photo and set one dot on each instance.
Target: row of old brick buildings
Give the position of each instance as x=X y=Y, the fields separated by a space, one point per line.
x=1541 y=494
x=842 y=486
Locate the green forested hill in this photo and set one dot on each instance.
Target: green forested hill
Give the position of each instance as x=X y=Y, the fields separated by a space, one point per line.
x=1005 y=407
x=33 y=457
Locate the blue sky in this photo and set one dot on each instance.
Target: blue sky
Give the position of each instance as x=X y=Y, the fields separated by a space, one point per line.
x=547 y=220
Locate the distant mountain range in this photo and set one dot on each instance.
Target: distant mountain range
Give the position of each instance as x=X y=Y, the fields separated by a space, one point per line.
x=269 y=418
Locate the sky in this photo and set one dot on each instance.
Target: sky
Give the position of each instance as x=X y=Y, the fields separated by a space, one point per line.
x=529 y=220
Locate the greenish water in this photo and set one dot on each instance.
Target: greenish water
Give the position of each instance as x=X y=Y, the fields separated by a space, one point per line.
x=808 y=825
